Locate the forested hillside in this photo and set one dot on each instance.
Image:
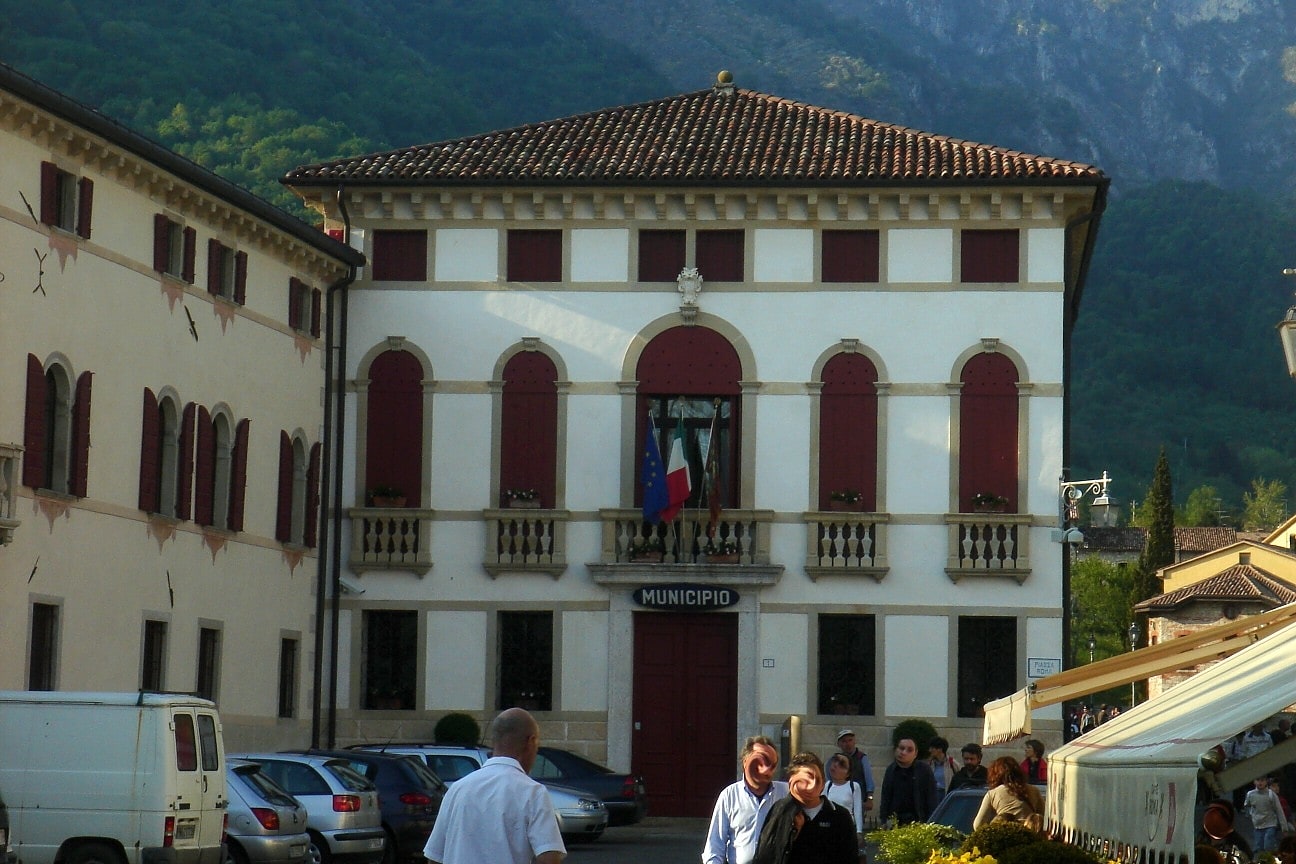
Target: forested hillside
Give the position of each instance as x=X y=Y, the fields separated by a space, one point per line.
x=1185 y=105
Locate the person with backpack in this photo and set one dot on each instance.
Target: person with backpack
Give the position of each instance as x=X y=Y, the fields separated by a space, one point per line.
x=843 y=790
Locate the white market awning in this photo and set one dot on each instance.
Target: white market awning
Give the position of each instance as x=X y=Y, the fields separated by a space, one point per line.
x=1131 y=782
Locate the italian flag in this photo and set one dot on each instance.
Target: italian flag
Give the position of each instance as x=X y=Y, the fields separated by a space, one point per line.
x=678 y=482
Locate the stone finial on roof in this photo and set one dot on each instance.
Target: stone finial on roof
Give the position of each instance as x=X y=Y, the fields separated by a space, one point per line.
x=724 y=85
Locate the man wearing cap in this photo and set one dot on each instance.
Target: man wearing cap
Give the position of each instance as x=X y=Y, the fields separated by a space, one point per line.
x=861 y=769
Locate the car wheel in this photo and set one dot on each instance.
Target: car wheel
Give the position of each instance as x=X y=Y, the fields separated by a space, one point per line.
x=234 y=853
x=389 y=848
x=317 y=850
x=94 y=853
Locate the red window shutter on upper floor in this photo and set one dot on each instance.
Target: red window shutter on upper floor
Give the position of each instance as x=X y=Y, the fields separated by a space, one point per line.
x=311 y=534
x=394 y=425
x=85 y=204
x=534 y=255
x=190 y=253
x=529 y=426
x=161 y=242
x=988 y=422
x=400 y=256
x=316 y=301
x=205 y=469
x=719 y=255
x=661 y=255
x=34 y=425
x=848 y=430
x=990 y=255
x=184 y=483
x=294 y=303
x=49 y=193
x=150 y=464
x=283 y=506
x=238 y=476
x=215 y=263
x=77 y=482
x=240 y=278
x=850 y=256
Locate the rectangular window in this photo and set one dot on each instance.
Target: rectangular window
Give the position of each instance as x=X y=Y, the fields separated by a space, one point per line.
x=186 y=742
x=44 y=646
x=400 y=256
x=661 y=255
x=850 y=256
x=847 y=664
x=208 y=677
x=535 y=255
x=525 y=660
x=153 y=656
x=173 y=248
x=719 y=255
x=303 y=307
x=707 y=420
x=287 y=678
x=66 y=199
x=990 y=256
x=226 y=272
x=987 y=662
x=391 y=646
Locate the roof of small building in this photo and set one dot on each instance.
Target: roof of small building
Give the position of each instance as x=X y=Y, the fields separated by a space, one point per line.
x=723 y=135
x=1239 y=582
x=1195 y=539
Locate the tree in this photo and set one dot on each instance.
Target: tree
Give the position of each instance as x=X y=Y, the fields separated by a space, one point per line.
x=1202 y=507
x=1265 y=506
x=1100 y=607
x=1159 y=550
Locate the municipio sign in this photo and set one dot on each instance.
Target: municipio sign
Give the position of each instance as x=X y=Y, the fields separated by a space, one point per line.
x=686 y=597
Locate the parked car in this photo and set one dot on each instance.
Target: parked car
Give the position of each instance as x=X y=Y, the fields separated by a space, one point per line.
x=342 y=816
x=409 y=797
x=958 y=808
x=624 y=795
x=581 y=815
x=266 y=824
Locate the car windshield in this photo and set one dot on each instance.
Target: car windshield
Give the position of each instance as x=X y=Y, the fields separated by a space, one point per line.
x=271 y=791
x=348 y=777
x=958 y=811
x=451 y=768
x=425 y=774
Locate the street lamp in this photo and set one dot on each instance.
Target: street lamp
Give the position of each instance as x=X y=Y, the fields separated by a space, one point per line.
x=1093 y=643
x=1103 y=512
x=1134 y=643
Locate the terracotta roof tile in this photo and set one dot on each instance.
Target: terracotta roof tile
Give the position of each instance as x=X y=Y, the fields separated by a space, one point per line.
x=1239 y=582
x=723 y=135
x=1195 y=539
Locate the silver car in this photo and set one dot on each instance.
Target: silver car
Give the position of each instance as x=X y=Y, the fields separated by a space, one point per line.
x=581 y=816
x=266 y=824
x=342 y=816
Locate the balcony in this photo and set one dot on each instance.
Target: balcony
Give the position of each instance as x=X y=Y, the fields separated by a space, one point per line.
x=628 y=558
x=391 y=538
x=846 y=544
x=523 y=540
x=988 y=544
x=9 y=456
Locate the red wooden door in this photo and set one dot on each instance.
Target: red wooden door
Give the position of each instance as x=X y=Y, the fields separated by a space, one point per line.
x=685 y=708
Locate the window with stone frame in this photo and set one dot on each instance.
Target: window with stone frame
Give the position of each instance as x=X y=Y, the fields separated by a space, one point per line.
x=66 y=200
x=524 y=659
x=847 y=664
x=56 y=428
x=389 y=670
x=987 y=661
x=42 y=660
x=990 y=255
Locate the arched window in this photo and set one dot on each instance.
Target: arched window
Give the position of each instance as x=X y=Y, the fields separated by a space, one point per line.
x=691 y=374
x=56 y=429
x=298 y=503
x=166 y=456
x=988 y=422
x=221 y=471
x=394 y=426
x=848 y=430
x=529 y=427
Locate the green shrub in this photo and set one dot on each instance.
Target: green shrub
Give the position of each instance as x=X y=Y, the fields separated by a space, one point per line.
x=919 y=730
x=913 y=843
x=456 y=728
x=996 y=838
x=1047 y=852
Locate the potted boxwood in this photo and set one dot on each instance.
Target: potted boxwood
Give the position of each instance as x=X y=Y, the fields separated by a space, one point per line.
x=647 y=549
x=721 y=551
x=523 y=498
x=386 y=496
x=988 y=502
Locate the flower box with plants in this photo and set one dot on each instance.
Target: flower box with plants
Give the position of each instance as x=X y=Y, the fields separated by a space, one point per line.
x=988 y=502
x=386 y=496
x=647 y=549
x=721 y=551
x=522 y=498
x=846 y=501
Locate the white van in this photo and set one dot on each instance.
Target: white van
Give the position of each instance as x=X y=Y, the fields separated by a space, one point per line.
x=112 y=778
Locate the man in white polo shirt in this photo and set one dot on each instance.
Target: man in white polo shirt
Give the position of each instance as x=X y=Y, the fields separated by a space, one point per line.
x=498 y=814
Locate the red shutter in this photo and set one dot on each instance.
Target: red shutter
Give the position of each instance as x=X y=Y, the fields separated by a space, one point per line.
x=215 y=260
x=161 y=243
x=190 y=253
x=77 y=483
x=294 y=303
x=185 y=464
x=238 y=476
x=990 y=255
x=394 y=424
x=205 y=468
x=400 y=256
x=240 y=278
x=529 y=426
x=316 y=298
x=311 y=534
x=49 y=193
x=661 y=255
x=849 y=256
x=534 y=255
x=34 y=431
x=848 y=427
x=150 y=465
x=85 y=203
x=988 y=418
x=283 y=507
x=719 y=255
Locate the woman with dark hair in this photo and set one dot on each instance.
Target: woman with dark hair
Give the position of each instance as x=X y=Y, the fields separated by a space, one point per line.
x=1034 y=765
x=1010 y=798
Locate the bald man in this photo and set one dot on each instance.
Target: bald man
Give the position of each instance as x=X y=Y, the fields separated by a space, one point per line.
x=498 y=813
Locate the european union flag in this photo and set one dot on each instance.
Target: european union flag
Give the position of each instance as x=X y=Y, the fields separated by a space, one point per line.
x=652 y=475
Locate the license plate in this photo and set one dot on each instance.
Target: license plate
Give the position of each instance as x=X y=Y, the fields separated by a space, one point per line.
x=297 y=849
x=185 y=831
x=377 y=844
